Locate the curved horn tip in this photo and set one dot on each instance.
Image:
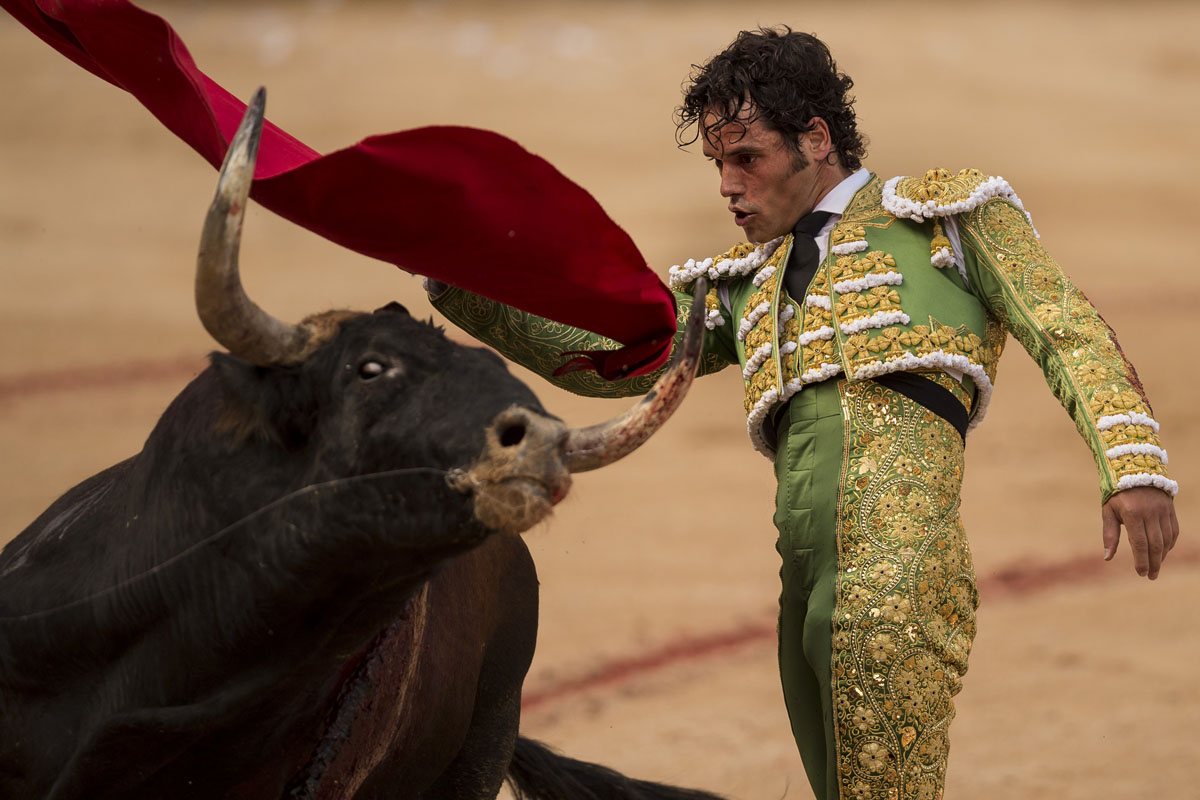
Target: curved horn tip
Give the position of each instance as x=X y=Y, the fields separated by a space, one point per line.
x=227 y=313
x=259 y=98
x=600 y=445
x=243 y=148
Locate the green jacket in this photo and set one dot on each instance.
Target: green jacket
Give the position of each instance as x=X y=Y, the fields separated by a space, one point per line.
x=923 y=274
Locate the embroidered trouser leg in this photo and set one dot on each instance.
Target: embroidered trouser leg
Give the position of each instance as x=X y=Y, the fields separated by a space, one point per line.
x=877 y=609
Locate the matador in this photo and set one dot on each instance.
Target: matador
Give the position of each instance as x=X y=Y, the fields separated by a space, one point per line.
x=867 y=317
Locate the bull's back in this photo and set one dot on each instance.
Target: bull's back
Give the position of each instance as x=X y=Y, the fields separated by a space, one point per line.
x=78 y=520
x=45 y=572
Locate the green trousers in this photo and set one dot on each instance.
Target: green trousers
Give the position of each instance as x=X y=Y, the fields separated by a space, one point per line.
x=877 y=608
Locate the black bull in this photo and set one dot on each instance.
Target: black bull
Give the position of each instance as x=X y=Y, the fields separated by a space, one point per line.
x=309 y=583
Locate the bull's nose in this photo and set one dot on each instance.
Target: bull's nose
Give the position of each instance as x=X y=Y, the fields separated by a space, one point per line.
x=521 y=473
x=532 y=445
x=522 y=429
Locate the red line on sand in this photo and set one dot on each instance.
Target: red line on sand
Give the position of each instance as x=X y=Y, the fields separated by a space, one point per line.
x=1010 y=582
x=624 y=669
x=23 y=386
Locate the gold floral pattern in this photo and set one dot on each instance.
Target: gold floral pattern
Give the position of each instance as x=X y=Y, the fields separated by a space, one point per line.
x=852 y=306
x=1062 y=331
x=876 y=262
x=818 y=352
x=843 y=267
x=862 y=348
x=941 y=185
x=906 y=599
x=766 y=377
x=844 y=233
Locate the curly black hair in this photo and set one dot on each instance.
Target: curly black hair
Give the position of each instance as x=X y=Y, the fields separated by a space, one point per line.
x=783 y=77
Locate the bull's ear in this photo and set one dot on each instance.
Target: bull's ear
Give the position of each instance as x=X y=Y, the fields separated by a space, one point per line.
x=266 y=403
x=392 y=308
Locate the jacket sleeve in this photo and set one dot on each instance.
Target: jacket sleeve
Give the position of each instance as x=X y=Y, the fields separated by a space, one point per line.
x=538 y=344
x=1078 y=352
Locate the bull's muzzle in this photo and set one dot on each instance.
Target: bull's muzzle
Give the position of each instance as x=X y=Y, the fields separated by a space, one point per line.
x=526 y=464
x=522 y=472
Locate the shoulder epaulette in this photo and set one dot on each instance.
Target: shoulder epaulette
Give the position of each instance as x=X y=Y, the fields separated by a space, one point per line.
x=941 y=193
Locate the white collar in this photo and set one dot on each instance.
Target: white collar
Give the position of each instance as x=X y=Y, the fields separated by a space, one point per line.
x=836 y=200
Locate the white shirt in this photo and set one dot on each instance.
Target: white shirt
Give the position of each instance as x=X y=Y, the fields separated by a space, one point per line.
x=835 y=202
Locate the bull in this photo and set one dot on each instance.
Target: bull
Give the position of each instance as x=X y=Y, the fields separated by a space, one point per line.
x=309 y=583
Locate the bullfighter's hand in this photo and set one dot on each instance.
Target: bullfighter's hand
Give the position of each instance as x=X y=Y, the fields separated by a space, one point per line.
x=1148 y=515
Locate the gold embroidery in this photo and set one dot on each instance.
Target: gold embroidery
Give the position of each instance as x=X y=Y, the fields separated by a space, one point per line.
x=906 y=599
x=1062 y=331
x=876 y=262
x=940 y=185
x=758 y=336
x=1129 y=434
x=844 y=234
x=940 y=241
x=820 y=284
x=712 y=302
x=843 y=267
x=857 y=305
x=865 y=211
x=818 y=352
x=763 y=332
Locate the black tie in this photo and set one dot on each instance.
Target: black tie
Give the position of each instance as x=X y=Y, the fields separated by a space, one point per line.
x=802 y=261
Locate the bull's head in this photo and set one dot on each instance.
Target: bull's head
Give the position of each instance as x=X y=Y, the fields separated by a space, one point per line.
x=519 y=459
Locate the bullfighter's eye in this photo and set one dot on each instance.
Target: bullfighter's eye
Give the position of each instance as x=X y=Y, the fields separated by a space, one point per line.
x=370 y=369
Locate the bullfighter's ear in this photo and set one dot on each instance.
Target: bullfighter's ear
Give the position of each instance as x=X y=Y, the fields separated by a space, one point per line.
x=265 y=403
x=392 y=308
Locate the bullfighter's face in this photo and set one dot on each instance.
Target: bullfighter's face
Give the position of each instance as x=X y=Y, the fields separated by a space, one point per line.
x=768 y=184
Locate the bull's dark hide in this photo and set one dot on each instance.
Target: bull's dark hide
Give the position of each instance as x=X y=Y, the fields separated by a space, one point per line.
x=164 y=636
x=306 y=585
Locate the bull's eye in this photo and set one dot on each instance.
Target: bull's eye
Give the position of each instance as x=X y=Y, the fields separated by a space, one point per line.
x=370 y=369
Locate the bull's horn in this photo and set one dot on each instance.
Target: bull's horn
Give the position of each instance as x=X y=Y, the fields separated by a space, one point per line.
x=230 y=317
x=600 y=445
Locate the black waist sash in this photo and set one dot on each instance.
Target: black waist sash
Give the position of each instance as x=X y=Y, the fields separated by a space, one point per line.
x=922 y=391
x=932 y=396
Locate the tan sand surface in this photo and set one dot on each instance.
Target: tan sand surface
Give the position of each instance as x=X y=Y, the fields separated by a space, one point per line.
x=1082 y=685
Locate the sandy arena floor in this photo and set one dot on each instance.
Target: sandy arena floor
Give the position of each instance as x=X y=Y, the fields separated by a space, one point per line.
x=656 y=651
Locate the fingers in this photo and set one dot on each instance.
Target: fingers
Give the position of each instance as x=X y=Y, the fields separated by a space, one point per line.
x=1135 y=530
x=1112 y=532
x=1156 y=548
x=1150 y=523
x=1172 y=526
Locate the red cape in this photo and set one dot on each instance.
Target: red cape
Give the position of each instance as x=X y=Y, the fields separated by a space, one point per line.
x=465 y=206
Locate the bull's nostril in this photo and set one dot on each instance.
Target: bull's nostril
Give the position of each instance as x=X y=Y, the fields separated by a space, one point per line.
x=512 y=435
